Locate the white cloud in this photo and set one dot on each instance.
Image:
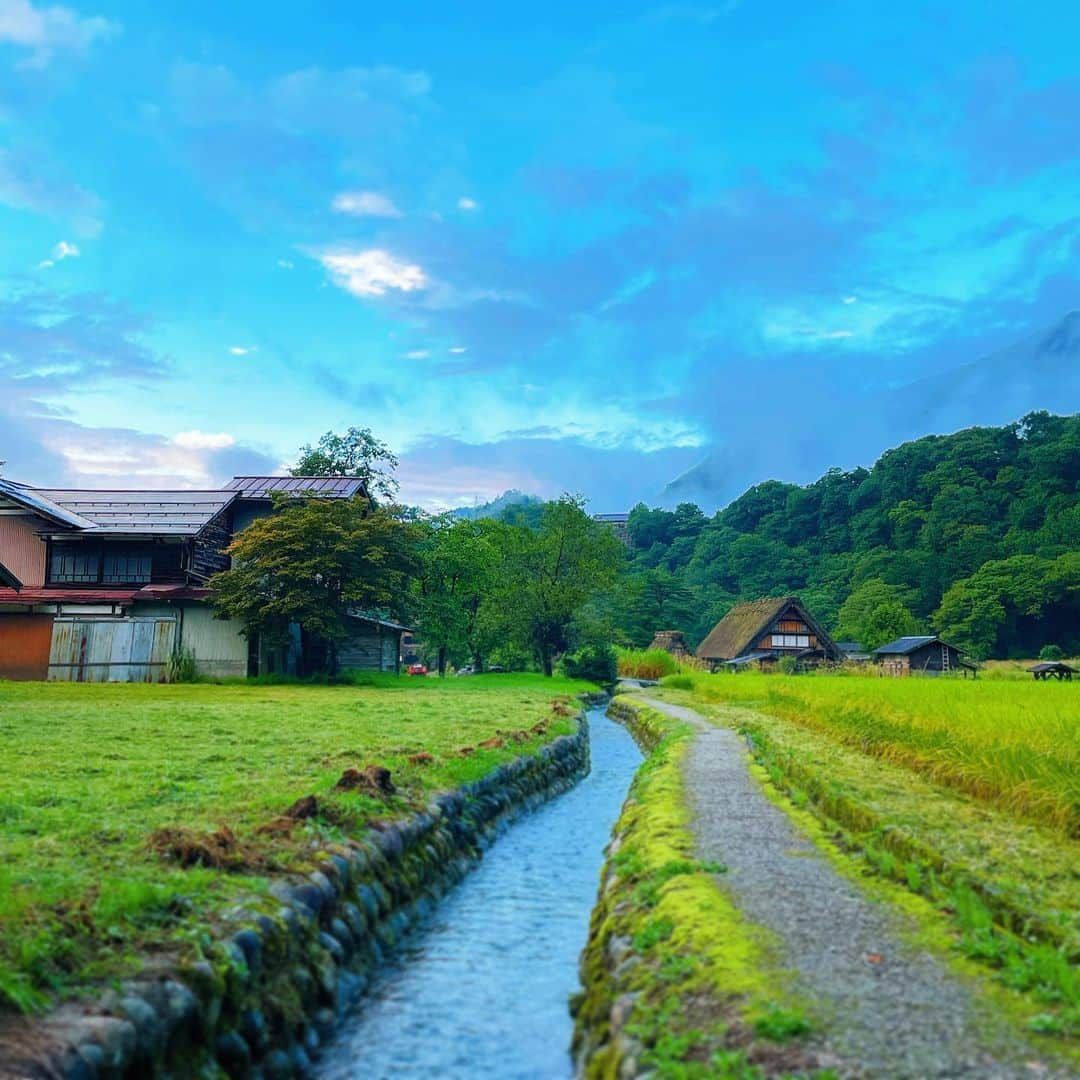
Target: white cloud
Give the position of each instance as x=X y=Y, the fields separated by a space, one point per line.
x=457 y=350
x=286 y=264
x=64 y=250
x=365 y=204
x=418 y=354
x=372 y=272
x=242 y=350
x=850 y=299
x=204 y=440
x=48 y=30
x=465 y=203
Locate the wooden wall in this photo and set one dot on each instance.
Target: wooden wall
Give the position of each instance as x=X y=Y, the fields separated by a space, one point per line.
x=24 y=645
x=22 y=551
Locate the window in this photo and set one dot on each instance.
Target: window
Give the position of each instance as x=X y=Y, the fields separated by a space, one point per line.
x=791 y=641
x=126 y=565
x=74 y=564
x=100 y=564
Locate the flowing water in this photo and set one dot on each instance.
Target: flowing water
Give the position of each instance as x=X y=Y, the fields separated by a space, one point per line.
x=481 y=990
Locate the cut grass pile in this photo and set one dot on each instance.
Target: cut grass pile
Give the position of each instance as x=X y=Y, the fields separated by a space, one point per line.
x=129 y=814
x=1013 y=745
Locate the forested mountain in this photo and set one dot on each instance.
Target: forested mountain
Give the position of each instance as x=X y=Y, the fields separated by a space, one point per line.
x=974 y=535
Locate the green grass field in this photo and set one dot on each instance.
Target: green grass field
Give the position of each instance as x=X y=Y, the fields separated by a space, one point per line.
x=91 y=774
x=965 y=793
x=1012 y=744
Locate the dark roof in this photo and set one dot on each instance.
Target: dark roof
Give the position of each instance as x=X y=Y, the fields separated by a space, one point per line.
x=376 y=620
x=902 y=646
x=35 y=500
x=326 y=487
x=738 y=631
x=142 y=513
x=1054 y=665
x=849 y=646
x=612 y=519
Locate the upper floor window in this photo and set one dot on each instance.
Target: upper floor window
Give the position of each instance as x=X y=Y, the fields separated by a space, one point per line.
x=100 y=564
x=791 y=641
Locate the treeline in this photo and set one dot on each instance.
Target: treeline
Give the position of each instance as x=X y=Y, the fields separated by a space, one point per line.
x=975 y=536
x=517 y=592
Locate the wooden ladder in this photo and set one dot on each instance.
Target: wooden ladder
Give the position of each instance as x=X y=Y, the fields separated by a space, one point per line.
x=945 y=658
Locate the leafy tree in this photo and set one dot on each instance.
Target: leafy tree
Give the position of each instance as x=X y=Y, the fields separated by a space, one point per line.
x=876 y=613
x=311 y=562
x=356 y=453
x=1051 y=652
x=546 y=576
x=454 y=577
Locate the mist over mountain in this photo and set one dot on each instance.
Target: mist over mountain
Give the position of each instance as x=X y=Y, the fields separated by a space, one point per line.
x=496 y=507
x=790 y=432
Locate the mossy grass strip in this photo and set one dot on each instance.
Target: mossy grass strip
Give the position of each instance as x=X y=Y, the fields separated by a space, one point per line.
x=676 y=981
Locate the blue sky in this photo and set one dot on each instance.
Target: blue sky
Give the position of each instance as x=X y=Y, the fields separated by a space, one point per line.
x=578 y=247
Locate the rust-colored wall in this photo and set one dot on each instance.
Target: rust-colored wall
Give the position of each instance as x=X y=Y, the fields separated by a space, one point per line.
x=24 y=646
x=21 y=550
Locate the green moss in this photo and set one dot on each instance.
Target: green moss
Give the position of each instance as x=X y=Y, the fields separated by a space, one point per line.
x=701 y=976
x=993 y=896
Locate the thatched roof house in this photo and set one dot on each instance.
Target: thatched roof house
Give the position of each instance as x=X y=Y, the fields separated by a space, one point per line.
x=763 y=631
x=671 y=641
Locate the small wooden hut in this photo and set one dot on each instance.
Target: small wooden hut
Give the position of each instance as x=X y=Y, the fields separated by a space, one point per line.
x=921 y=654
x=671 y=641
x=1053 y=669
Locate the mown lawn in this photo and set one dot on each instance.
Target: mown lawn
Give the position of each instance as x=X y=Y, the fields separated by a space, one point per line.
x=93 y=777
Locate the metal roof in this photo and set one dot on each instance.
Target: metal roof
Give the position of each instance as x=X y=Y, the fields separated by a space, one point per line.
x=142 y=513
x=326 y=487
x=904 y=645
x=36 y=500
x=612 y=519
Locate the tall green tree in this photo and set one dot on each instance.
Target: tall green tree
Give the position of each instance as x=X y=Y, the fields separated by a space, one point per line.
x=546 y=576
x=311 y=562
x=358 y=452
x=456 y=562
x=876 y=613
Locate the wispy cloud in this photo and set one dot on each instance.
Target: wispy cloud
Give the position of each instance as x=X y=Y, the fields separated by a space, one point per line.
x=242 y=350
x=31 y=179
x=372 y=272
x=418 y=354
x=46 y=31
x=465 y=203
x=365 y=204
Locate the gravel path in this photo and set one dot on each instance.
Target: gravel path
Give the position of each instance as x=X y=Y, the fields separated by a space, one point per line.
x=892 y=1010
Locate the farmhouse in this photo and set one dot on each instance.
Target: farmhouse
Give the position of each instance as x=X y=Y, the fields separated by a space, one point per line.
x=107 y=586
x=922 y=654
x=671 y=641
x=763 y=631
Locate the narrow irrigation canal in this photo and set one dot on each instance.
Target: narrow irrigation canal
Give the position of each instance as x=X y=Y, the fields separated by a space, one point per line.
x=482 y=990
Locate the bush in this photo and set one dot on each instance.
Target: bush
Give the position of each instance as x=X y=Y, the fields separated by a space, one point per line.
x=678 y=682
x=181 y=668
x=787 y=665
x=594 y=663
x=646 y=663
x=1051 y=652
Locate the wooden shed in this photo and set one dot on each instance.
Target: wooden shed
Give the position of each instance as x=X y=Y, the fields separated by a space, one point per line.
x=761 y=632
x=671 y=641
x=921 y=654
x=1053 y=669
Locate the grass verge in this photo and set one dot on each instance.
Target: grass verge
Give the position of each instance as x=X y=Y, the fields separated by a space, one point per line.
x=673 y=976
x=131 y=814
x=999 y=892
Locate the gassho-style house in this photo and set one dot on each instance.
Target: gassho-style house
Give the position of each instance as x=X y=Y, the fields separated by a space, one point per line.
x=106 y=586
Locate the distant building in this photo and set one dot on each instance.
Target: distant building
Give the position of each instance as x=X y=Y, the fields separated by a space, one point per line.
x=853 y=652
x=671 y=641
x=619 y=525
x=921 y=654
x=761 y=632
x=1053 y=669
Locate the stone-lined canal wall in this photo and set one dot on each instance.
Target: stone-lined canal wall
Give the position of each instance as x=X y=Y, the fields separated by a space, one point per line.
x=276 y=978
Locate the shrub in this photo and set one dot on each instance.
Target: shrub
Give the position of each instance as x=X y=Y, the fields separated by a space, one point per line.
x=1051 y=652
x=678 y=682
x=181 y=667
x=646 y=663
x=595 y=663
x=787 y=665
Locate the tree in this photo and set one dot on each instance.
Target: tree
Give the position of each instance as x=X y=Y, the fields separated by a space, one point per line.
x=356 y=453
x=546 y=576
x=454 y=576
x=876 y=613
x=309 y=563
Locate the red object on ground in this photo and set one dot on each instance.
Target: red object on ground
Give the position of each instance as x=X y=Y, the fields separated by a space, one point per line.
x=416 y=669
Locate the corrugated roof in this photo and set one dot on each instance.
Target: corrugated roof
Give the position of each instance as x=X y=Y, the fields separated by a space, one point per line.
x=36 y=500
x=326 y=487
x=904 y=645
x=142 y=513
